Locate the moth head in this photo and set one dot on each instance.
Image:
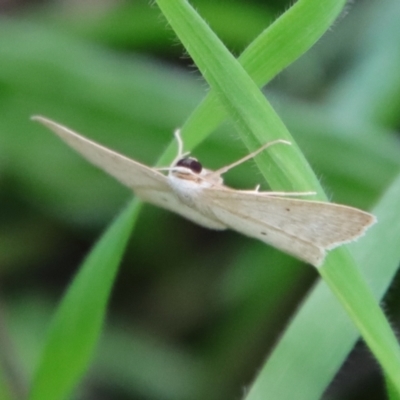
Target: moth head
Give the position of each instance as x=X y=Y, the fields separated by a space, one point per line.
x=190 y=169
x=191 y=164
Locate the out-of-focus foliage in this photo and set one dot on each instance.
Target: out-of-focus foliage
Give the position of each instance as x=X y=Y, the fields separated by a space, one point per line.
x=193 y=312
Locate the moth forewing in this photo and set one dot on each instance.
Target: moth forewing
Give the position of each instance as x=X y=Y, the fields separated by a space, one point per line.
x=282 y=240
x=147 y=183
x=300 y=227
x=124 y=169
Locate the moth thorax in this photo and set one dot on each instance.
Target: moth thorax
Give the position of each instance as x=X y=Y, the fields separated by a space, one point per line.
x=190 y=163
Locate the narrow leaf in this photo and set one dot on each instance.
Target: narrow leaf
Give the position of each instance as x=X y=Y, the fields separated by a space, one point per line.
x=284 y=168
x=79 y=318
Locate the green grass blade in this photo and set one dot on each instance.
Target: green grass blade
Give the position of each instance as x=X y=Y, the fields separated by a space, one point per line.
x=285 y=168
x=299 y=361
x=392 y=393
x=273 y=50
x=78 y=321
x=254 y=117
x=5 y=392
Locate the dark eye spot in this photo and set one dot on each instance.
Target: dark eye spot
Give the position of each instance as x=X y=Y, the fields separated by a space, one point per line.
x=190 y=163
x=264 y=233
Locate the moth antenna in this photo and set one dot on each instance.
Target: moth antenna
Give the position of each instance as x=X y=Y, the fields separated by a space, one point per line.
x=180 y=154
x=178 y=138
x=248 y=157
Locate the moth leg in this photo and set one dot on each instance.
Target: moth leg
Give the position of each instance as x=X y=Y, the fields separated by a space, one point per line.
x=248 y=157
x=285 y=194
x=280 y=194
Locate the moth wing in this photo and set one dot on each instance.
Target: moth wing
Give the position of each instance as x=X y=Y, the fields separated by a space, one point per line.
x=131 y=173
x=302 y=228
x=148 y=184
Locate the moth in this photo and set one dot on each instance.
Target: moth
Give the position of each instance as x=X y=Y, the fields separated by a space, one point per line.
x=305 y=229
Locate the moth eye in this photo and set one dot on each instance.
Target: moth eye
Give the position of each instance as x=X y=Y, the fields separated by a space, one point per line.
x=190 y=163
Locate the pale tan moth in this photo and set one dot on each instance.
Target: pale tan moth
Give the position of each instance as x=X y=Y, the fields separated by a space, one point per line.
x=302 y=228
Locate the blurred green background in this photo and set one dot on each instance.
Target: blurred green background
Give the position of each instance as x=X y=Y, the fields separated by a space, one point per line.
x=194 y=312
